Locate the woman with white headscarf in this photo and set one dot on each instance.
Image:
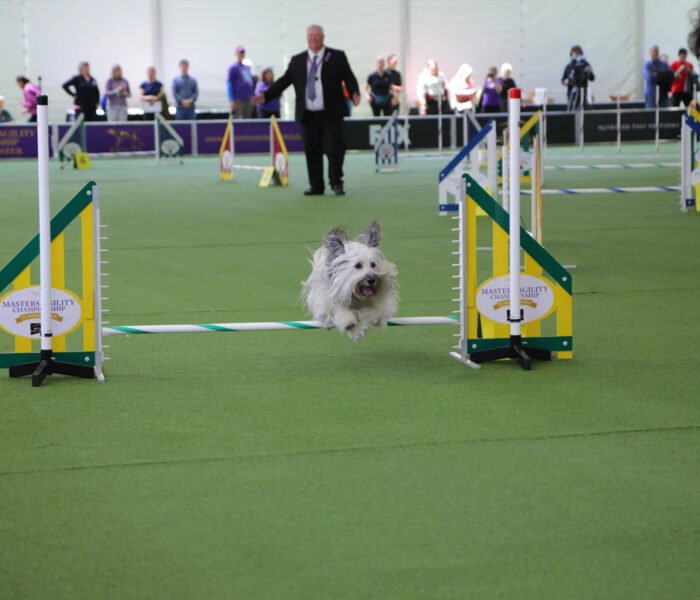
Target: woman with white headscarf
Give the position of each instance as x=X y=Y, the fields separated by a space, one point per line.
x=506 y=82
x=463 y=92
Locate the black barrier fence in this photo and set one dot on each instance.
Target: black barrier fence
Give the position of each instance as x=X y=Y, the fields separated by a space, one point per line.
x=414 y=132
x=599 y=126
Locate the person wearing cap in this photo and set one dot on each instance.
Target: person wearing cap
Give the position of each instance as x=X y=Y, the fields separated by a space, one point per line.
x=576 y=76
x=684 y=79
x=241 y=87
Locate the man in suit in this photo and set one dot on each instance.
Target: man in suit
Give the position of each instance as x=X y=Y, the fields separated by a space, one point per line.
x=317 y=76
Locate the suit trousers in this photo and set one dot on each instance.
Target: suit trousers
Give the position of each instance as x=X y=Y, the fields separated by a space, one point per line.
x=323 y=136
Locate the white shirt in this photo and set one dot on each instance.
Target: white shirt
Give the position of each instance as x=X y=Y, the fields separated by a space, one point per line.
x=317 y=103
x=430 y=85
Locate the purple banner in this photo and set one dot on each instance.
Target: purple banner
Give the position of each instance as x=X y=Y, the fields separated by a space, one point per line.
x=291 y=132
x=209 y=136
x=251 y=137
x=18 y=141
x=120 y=137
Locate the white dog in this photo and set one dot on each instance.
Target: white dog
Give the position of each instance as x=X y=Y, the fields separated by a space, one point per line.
x=352 y=286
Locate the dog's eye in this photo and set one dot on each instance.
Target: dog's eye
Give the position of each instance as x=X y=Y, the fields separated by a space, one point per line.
x=358 y=265
x=372 y=265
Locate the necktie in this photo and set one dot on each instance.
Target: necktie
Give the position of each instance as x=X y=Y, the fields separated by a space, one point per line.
x=311 y=80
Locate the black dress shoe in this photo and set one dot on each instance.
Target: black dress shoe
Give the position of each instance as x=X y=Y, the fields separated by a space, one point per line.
x=339 y=190
x=313 y=192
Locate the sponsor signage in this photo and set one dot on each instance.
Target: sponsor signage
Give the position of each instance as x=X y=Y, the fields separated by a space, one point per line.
x=20 y=312
x=536 y=298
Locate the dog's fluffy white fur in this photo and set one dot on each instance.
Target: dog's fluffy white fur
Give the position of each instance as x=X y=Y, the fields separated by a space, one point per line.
x=351 y=286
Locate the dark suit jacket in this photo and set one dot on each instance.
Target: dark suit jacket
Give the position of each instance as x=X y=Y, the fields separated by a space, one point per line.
x=335 y=70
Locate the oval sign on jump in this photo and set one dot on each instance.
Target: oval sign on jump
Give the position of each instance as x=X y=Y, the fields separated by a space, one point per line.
x=536 y=298
x=20 y=312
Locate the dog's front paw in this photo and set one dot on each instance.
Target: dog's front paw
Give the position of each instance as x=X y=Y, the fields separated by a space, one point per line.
x=355 y=333
x=346 y=321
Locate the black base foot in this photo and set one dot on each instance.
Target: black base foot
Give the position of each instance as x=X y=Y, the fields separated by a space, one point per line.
x=514 y=351
x=48 y=366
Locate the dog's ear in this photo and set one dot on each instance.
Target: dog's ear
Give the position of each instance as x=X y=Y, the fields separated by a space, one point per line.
x=372 y=235
x=334 y=243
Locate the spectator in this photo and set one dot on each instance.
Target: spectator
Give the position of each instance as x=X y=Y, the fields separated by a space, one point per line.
x=117 y=91
x=432 y=90
x=576 y=76
x=462 y=89
x=240 y=87
x=392 y=63
x=85 y=92
x=378 y=90
x=5 y=117
x=31 y=92
x=318 y=74
x=491 y=93
x=507 y=83
x=185 y=93
x=684 y=79
x=655 y=73
x=268 y=109
x=153 y=96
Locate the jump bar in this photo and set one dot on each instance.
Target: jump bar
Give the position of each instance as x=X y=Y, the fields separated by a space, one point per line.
x=262 y=326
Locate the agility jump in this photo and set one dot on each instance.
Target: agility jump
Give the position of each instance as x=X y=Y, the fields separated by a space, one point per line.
x=276 y=174
x=489 y=308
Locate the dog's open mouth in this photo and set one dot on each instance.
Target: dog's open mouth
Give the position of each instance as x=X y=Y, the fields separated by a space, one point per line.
x=366 y=289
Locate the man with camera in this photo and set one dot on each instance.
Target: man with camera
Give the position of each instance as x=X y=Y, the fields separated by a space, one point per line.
x=576 y=76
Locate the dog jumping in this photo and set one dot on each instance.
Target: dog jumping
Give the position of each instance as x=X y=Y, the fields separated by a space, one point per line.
x=352 y=287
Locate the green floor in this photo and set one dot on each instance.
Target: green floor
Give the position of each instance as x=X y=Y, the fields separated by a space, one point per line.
x=299 y=465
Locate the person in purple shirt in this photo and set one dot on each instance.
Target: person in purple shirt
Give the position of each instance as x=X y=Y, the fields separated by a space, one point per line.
x=30 y=92
x=240 y=87
x=491 y=93
x=272 y=107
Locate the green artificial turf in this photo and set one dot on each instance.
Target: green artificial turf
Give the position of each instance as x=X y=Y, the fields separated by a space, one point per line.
x=300 y=465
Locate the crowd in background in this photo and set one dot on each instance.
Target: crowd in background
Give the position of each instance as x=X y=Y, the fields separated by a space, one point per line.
x=666 y=83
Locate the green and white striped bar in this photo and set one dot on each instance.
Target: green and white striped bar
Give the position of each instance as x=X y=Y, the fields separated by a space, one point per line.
x=261 y=326
x=603 y=167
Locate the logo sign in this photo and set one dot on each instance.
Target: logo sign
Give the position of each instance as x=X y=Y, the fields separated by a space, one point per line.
x=281 y=163
x=20 y=312
x=536 y=298
x=375 y=134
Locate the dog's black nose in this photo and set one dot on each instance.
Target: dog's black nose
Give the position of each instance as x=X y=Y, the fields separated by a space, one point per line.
x=371 y=281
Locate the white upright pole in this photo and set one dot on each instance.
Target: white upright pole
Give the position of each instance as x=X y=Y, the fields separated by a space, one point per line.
x=619 y=125
x=656 y=118
x=514 y=210
x=44 y=225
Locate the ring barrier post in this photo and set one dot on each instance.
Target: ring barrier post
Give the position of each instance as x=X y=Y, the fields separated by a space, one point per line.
x=386 y=148
x=72 y=142
x=656 y=118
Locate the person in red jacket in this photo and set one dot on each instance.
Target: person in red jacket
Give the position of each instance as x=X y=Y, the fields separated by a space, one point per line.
x=682 y=86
